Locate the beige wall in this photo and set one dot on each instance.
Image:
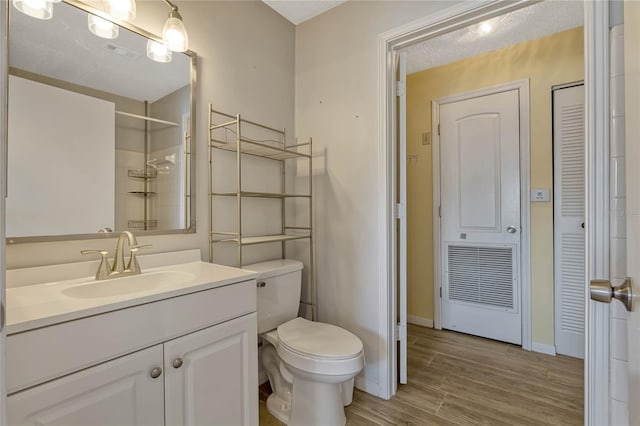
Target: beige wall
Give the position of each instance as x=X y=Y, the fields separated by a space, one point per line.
x=546 y=62
x=245 y=64
x=337 y=103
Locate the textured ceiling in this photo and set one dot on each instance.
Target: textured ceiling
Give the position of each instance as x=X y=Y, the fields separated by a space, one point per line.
x=298 y=11
x=525 y=24
x=64 y=49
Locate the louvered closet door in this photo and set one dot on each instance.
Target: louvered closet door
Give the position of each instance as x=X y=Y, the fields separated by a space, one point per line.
x=480 y=196
x=568 y=142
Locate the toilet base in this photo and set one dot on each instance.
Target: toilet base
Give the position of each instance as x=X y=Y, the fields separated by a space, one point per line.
x=279 y=408
x=316 y=404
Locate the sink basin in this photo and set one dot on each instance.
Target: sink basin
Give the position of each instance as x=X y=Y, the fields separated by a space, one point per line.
x=127 y=285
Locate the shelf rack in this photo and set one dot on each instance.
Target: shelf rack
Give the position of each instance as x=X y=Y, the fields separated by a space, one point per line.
x=274 y=149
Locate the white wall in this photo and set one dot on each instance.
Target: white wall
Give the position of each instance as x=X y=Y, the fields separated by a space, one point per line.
x=246 y=64
x=337 y=104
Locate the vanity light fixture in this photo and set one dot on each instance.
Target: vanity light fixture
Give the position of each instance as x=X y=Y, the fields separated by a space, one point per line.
x=174 y=33
x=158 y=52
x=40 y=9
x=124 y=10
x=101 y=27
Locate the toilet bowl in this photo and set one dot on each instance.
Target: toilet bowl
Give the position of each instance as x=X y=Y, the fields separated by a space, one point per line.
x=311 y=366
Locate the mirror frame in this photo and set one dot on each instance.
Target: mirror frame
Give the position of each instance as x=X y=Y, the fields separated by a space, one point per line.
x=191 y=229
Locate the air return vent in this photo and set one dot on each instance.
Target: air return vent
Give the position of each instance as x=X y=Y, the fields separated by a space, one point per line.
x=482 y=275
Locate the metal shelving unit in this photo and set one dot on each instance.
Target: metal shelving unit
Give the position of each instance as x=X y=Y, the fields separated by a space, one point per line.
x=274 y=149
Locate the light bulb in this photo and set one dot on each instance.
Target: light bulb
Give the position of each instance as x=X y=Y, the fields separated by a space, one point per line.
x=174 y=33
x=40 y=9
x=158 y=52
x=102 y=27
x=124 y=10
x=485 y=28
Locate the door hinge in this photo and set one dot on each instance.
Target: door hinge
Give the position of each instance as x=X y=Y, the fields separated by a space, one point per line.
x=438 y=129
x=439 y=211
x=398 y=332
x=399 y=211
x=440 y=292
x=401 y=87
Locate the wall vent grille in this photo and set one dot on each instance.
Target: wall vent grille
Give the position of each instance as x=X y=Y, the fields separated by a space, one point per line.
x=482 y=275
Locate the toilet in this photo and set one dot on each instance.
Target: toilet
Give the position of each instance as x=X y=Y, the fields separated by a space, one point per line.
x=311 y=366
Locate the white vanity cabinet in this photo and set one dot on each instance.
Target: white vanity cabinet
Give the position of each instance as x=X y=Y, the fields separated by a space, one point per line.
x=211 y=376
x=118 y=392
x=189 y=359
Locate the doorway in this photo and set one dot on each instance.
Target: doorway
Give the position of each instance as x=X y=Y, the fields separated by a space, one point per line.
x=545 y=346
x=516 y=219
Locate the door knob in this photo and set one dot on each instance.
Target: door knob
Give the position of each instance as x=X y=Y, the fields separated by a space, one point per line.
x=603 y=291
x=177 y=363
x=512 y=229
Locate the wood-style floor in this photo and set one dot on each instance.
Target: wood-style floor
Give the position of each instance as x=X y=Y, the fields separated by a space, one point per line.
x=456 y=379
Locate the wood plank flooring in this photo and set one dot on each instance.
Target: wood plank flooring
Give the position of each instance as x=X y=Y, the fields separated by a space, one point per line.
x=456 y=379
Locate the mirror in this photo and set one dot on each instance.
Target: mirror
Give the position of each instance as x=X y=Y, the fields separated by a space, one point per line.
x=99 y=133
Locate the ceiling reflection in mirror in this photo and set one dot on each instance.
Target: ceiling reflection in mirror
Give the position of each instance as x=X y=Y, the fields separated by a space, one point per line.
x=99 y=129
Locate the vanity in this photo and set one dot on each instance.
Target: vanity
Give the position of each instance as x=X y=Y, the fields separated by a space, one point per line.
x=175 y=345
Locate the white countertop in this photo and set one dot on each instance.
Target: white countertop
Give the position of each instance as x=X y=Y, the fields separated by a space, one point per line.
x=33 y=303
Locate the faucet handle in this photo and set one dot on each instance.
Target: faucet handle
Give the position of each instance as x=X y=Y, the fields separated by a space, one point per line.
x=104 y=268
x=100 y=252
x=134 y=266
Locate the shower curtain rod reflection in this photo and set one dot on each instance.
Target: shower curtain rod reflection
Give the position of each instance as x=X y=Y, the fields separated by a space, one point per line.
x=144 y=117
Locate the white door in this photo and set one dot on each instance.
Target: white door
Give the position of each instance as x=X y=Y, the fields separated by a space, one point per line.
x=480 y=224
x=632 y=131
x=569 y=209
x=211 y=376
x=402 y=214
x=119 y=392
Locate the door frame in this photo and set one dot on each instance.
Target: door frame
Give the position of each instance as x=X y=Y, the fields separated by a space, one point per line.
x=522 y=86
x=596 y=37
x=4 y=101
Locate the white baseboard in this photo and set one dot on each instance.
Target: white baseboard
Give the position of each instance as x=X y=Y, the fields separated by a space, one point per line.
x=367 y=386
x=543 y=348
x=424 y=322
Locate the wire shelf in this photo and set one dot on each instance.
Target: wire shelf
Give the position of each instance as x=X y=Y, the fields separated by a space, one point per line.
x=143 y=174
x=143 y=224
x=257 y=149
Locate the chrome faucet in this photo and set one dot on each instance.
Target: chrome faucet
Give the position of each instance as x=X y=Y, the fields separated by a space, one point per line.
x=118 y=270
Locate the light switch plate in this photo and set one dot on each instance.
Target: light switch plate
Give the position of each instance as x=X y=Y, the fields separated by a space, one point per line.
x=426 y=138
x=539 y=195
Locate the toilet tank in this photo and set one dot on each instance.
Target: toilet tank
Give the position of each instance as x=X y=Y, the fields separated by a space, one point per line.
x=279 y=297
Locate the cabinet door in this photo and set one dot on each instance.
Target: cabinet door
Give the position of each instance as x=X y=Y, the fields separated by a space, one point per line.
x=118 y=392
x=211 y=376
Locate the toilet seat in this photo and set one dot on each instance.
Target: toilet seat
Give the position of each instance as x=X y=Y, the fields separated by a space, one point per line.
x=319 y=348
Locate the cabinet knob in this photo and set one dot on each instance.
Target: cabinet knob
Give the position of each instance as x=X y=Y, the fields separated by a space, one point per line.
x=177 y=363
x=156 y=372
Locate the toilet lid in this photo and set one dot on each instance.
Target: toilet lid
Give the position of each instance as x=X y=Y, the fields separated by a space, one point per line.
x=318 y=340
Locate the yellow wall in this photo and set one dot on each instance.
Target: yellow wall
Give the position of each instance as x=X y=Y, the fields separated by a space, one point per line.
x=546 y=62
